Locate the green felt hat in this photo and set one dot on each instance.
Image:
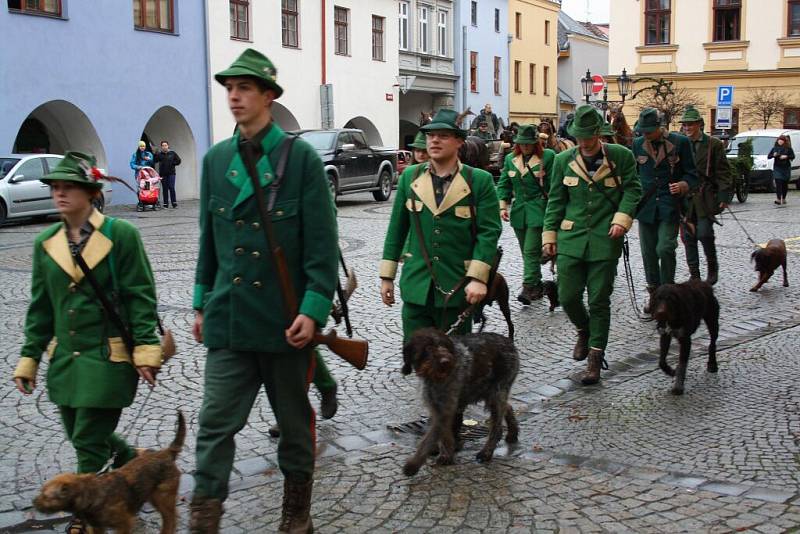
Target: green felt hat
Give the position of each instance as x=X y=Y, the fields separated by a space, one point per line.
x=691 y=115
x=526 y=135
x=648 y=120
x=76 y=167
x=445 y=119
x=254 y=64
x=606 y=131
x=587 y=123
x=419 y=141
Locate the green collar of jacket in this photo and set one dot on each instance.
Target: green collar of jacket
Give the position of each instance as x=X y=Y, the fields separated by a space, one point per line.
x=237 y=172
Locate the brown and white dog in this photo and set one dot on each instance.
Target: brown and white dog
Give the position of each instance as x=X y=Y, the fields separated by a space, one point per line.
x=113 y=499
x=767 y=260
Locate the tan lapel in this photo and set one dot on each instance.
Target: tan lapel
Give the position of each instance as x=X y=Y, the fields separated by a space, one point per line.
x=97 y=247
x=458 y=189
x=603 y=171
x=519 y=163
x=423 y=188
x=57 y=248
x=656 y=157
x=577 y=167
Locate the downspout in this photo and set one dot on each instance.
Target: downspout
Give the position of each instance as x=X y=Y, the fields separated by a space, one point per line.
x=464 y=64
x=210 y=128
x=324 y=46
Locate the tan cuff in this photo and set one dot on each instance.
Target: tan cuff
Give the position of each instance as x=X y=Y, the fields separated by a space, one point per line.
x=623 y=219
x=26 y=368
x=479 y=270
x=147 y=356
x=388 y=269
x=549 y=237
x=503 y=205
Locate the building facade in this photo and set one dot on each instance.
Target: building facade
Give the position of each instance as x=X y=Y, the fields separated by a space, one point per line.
x=336 y=61
x=70 y=89
x=481 y=38
x=701 y=44
x=533 y=60
x=427 y=77
x=579 y=48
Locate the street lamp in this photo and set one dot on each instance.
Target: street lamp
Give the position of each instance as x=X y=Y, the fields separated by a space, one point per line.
x=624 y=83
x=586 y=84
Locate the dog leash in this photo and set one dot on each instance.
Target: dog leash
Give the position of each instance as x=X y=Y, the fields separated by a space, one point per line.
x=107 y=467
x=735 y=218
x=463 y=316
x=626 y=262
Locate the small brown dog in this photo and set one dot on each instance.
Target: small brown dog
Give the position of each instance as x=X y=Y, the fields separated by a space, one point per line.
x=113 y=499
x=497 y=292
x=767 y=260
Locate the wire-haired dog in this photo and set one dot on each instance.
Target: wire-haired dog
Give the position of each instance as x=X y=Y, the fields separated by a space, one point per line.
x=767 y=260
x=456 y=372
x=113 y=499
x=678 y=310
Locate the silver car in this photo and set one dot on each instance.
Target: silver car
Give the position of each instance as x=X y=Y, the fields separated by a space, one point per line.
x=21 y=192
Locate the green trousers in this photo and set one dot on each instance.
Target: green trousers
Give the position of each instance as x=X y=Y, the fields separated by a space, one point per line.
x=704 y=232
x=658 y=242
x=530 y=244
x=416 y=317
x=597 y=277
x=232 y=381
x=91 y=432
x=322 y=375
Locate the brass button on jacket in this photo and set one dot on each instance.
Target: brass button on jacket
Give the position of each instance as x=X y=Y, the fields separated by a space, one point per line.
x=237 y=280
x=255 y=254
x=256 y=225
x=238 y=251
x=257 y=284
x=239 y=223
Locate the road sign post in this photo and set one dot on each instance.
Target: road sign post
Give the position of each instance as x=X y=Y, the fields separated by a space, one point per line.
x=724 y=118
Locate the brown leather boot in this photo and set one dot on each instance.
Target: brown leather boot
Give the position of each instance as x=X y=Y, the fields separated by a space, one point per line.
x=596 y=362
x=205 y=515
x=650 y=291
x=296 y=516
x=581 y=349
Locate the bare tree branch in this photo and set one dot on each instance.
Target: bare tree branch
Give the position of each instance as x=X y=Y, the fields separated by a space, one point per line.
x=764 y=103
x=670 y=105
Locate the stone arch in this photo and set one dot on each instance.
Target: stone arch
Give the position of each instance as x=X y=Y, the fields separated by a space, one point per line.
x=285 y=119
x=370 y=131
x=168 y=124
x=408 y=130
x=56 y=127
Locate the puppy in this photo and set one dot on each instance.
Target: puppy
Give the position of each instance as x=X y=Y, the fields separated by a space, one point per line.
x=678 y=310
x=456 y=372
x=113 y=499
x=767 y=260
x=496 y=292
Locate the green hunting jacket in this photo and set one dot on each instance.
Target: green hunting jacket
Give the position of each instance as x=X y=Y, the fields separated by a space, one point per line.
x=446 y=233
x=527 y=190
x=715 y=175
x=236 y=285
x=579 y=215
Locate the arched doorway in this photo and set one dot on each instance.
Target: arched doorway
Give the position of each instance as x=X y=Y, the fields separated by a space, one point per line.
x=168 y=124
x=58 y=126
x=370 y=131
x=407 y=132
x=284 y=117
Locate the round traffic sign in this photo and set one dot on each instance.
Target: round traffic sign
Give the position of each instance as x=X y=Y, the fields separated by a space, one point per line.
x=599 y=83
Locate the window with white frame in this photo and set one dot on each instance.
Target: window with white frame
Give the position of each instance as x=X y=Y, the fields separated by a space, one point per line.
x=341 y=22
x=473 y=14
x=403 y=25
x=377 y=38
x=441 y=32
x=424 y=13
x=497 y=20
x=290 y=17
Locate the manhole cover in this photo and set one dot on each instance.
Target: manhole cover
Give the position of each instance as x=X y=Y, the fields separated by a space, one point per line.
x=470 y=429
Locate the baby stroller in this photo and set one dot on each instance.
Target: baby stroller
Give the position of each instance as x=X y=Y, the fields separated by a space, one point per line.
x=149 y=185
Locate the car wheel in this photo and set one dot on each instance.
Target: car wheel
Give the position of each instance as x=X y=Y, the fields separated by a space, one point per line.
x=742 y=189
x=3 y=212
x=99 y=203
x=333 y=186
x=385 y=185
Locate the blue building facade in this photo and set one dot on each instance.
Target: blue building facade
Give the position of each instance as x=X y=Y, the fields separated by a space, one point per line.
x=481 y=44
x=100 y=76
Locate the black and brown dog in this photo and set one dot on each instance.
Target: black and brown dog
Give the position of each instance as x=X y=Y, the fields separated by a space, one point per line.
x=767 y=260
x=456 y=372
x=496 y=292
x=113 y=499
x=678 y=310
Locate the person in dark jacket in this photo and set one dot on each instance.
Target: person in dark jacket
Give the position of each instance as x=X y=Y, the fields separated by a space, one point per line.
x=783 y=155
x=167 y=161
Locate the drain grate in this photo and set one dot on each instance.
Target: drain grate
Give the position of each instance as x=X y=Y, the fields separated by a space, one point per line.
x=470 y=429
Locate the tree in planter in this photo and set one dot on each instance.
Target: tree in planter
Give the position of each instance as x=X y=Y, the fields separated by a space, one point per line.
x=764 y=103
x=742 y=166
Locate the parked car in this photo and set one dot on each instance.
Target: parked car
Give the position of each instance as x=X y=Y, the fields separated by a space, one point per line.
x=351 y=165
x=763 y=141
x=21 y=192
x=404 y=159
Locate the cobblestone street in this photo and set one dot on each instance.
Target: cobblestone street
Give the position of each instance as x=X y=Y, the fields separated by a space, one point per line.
x=623 y=456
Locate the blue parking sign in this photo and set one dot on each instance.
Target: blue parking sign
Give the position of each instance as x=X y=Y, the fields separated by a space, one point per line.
x=725 y=96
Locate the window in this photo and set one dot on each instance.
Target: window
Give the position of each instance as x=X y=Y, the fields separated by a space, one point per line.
x=46 y=7
x=289 y=23
x=518 y=25
x=546 y=79
x=240 y=27
x=441 y=31
x=517 y=67
x=532 y=78
x=497 y=75
x=794 y=19
x=657 y=16
x=423 y=29
x=791 y=118
x=473 y=72
x=547 y=32
x=377 y=38
x=30 y=170
x=497 y=20
x=403 y=25
x=341 y=17
x=726 y=19
x=473 y=13
x=153 y=15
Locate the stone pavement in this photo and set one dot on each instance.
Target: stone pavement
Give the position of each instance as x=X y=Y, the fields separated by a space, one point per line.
x=622 y=456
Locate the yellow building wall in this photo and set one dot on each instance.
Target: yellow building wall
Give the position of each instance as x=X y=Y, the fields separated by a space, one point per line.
x=529 y=104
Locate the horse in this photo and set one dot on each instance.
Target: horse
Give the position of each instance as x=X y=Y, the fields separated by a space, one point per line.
x=474 y=152
x=553 y=142
x=623 y=135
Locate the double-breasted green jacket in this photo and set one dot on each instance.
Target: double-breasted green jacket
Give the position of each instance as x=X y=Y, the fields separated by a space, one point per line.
x=715 y=176
x=673 y=155
x=90 y=367
x=446 y=232
x=527 y=190
x=579 y=216
x=236 y=286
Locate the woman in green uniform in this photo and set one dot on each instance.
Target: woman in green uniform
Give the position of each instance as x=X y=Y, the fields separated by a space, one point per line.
x=93 y=367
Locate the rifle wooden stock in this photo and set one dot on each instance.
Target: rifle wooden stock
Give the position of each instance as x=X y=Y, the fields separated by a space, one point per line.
x=353 y=351
x=285 y=281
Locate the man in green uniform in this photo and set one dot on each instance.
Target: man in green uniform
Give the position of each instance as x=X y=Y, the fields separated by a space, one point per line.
x=420 y=148
x=483 y=130
x=238 y=300
x=448 y=212
x=526 y=177
x=667 y=173
x=716 y=189
x=592 y=201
